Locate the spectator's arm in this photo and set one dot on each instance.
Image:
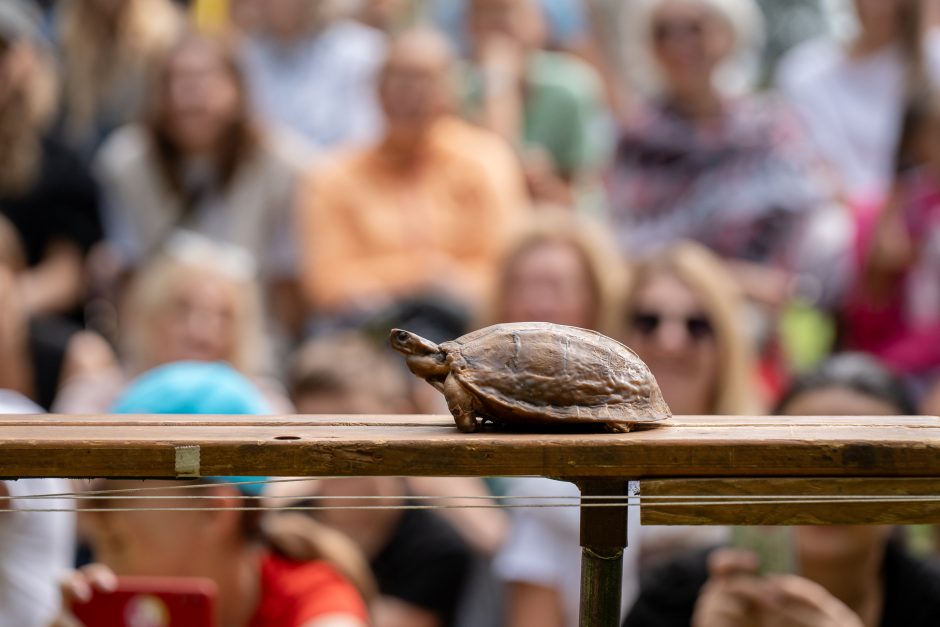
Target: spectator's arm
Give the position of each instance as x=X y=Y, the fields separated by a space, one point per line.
x=56 y=285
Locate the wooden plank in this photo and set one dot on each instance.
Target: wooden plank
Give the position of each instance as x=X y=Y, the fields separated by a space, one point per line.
x=146 y=446
x=893 y=512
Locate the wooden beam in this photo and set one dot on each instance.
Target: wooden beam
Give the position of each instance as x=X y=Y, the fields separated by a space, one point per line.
x=687 y=446
x=721 y=512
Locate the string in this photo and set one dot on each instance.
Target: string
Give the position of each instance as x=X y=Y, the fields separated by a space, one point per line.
x=688 y=499
x=610 y=502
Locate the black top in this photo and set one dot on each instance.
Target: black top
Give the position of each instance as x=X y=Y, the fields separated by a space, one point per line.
x=62 y=204
x=668 y=593
x=426 y=563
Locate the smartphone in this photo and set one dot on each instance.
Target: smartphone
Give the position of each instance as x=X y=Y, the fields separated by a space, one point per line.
x=151 y=602
x=773 y=546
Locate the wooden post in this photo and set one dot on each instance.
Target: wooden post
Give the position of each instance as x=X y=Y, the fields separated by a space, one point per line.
x=603 y=539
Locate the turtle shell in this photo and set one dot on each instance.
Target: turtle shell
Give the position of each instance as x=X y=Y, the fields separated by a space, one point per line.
x=542 y=372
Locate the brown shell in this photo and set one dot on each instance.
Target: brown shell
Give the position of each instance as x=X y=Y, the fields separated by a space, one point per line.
x=541 y=372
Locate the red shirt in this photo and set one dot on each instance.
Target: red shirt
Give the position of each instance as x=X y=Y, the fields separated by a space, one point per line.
x=293 y=593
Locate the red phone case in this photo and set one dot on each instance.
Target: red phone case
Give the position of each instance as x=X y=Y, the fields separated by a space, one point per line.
x=151 y=602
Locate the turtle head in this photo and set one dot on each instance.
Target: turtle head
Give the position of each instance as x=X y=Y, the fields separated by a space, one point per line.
x=409 y=343
x=424 y=357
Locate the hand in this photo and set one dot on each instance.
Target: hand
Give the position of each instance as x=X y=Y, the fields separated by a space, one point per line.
x=733 y=595
x=78 y=586
x=798 y=602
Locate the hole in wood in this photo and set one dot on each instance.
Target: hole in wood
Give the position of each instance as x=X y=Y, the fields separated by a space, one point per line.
x=287 y=437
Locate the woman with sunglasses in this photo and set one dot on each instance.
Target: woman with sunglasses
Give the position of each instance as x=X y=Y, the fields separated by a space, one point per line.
x=703 y=159
x=683 y=317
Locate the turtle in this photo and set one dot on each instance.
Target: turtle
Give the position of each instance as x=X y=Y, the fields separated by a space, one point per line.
x=536 y=373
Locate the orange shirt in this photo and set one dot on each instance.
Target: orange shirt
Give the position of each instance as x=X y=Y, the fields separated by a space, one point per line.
x=294 y=593
x=372 y=230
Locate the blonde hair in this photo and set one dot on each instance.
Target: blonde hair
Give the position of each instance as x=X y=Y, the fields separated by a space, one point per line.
x=24 y=116
x=737 y=74
x=151 y=290
x=593 y=245
x=99 y=51
x=708 y=278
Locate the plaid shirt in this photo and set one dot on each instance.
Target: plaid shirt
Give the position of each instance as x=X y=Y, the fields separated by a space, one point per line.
x=742 y=185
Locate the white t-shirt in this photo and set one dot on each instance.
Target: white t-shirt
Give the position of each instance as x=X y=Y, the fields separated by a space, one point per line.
x=543 y=545
x=852 y=107
x=36 y=548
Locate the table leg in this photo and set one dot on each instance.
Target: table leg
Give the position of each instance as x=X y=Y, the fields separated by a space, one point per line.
x=603 y=539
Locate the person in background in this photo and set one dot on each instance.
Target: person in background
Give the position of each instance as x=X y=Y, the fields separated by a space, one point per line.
x=849 y=576
x=200 y=161
x=893 y=311
x=45 y=192
x=851 y=94
x=40 y=354
x=425 y=209
x=198 y=301
x=704 y=160
x=36 y=548
x=271 y=569
x=549 y=105
x=560 y=269
x=109 y=50
x=420 y=559
x=314 y=73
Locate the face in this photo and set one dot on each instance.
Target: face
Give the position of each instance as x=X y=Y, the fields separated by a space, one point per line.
x=155 y=543
x=202 y=98
x=198 y=322
x=508 y=18
x=689 y=41
x=413 y=86
x=550 y=282
x=672 y=333
x=839 y=542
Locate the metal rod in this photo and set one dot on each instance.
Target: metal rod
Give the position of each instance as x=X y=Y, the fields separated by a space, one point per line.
x=603 y=539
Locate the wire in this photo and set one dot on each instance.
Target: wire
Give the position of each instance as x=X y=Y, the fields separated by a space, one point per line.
x=609 y=502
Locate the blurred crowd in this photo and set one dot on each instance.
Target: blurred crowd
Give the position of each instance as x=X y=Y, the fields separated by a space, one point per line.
x=222 y=206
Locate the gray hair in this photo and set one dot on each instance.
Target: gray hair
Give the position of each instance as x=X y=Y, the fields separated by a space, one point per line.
x=737 y=74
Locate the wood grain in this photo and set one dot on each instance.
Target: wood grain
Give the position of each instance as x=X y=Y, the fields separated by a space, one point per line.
x=687 y=446
x=840 y=513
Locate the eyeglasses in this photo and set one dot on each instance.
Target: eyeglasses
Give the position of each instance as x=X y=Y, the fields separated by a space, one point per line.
x=698 y=327
x=667 y=30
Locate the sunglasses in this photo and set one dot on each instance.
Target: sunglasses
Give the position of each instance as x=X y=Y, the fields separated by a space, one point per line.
x=698 y=327
x=677 y=29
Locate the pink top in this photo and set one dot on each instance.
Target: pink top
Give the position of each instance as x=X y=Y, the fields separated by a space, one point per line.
x=903 y=330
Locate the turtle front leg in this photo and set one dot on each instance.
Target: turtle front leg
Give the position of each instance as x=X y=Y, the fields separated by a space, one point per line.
x=461 y=404
x=619 y=427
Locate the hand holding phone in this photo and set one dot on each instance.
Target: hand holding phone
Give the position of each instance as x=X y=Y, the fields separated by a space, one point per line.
x=99 y=601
